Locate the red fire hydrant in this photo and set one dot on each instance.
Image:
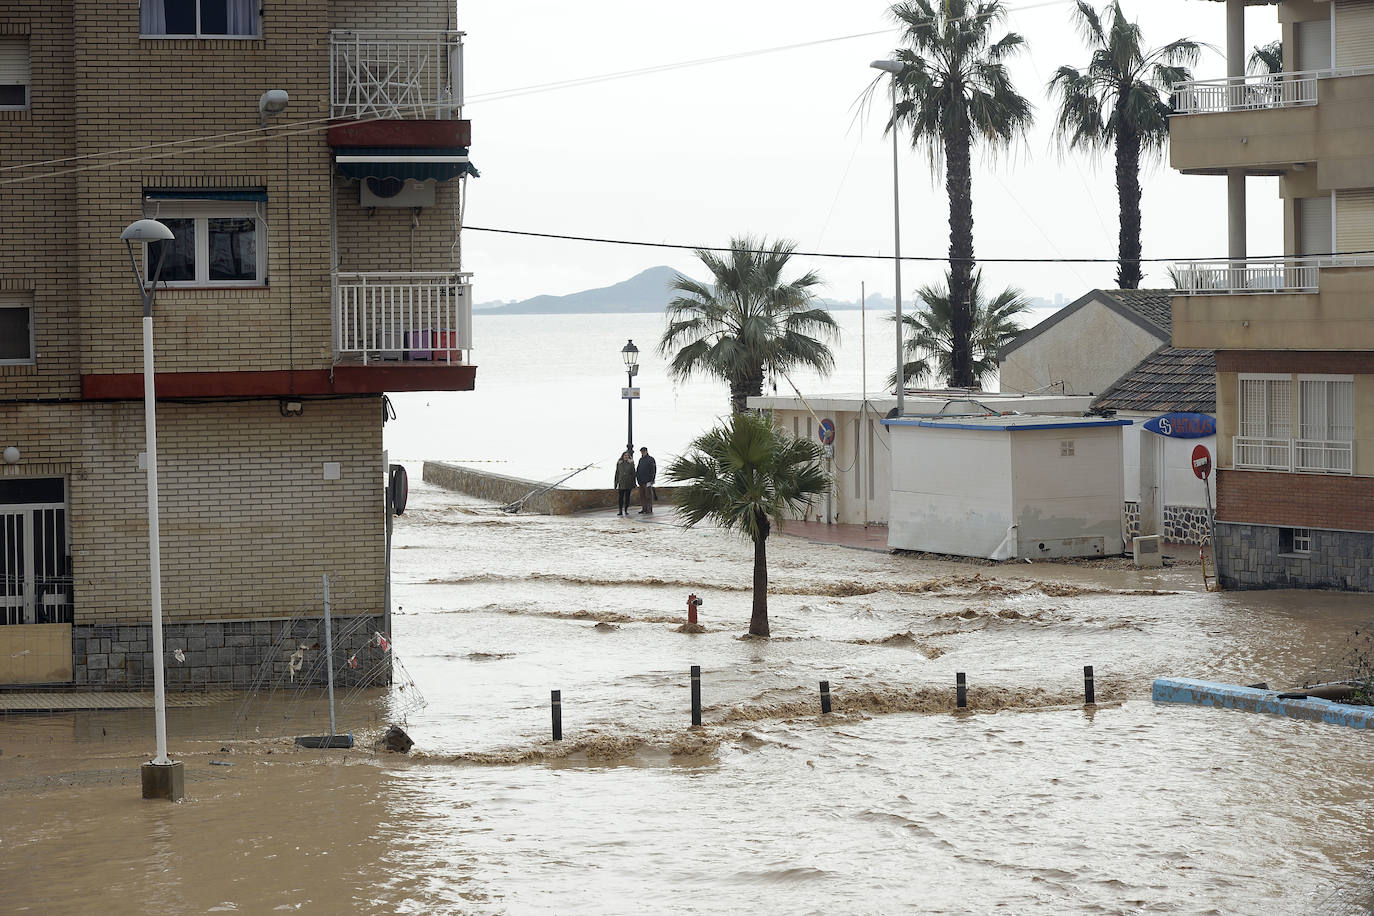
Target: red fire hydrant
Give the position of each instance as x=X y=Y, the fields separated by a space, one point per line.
x=693 y=602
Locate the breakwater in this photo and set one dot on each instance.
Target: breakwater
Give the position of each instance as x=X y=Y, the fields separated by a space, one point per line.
x=538 y=496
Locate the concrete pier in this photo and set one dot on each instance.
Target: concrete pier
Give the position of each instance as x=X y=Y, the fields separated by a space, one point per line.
x=1251 y=699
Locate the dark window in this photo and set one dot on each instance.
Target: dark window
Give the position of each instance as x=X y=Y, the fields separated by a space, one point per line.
x=16 y=333
x=181 y=251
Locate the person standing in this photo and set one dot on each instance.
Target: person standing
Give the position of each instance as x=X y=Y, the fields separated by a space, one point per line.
x=624 y=482
x=645 y=474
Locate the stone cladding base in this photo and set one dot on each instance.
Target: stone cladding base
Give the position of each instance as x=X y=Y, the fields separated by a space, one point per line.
x=1249 y=557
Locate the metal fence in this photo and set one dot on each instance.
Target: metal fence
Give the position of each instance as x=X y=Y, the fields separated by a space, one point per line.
x=396 y=73
x=403 y=315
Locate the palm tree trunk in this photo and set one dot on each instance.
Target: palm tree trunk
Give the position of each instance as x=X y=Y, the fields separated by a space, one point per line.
x=758 y=621
x=1128 y=196
x=743 y=388
x=959 y=189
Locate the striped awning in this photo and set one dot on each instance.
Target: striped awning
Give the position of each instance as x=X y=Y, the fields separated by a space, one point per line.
x=404 y=162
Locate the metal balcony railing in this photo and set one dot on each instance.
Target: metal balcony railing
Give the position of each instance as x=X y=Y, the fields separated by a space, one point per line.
x=403 y=315
x=1256 y=92
x=1306 y=456
x=1259 y=275
x=396 y=74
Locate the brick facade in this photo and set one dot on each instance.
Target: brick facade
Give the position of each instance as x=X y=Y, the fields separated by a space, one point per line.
x=1296 y=500
x=249 y=522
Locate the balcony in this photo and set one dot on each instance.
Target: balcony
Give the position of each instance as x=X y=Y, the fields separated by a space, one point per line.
x=1304 y=456
x=1249 y=93
x=1257 y=275
x=407 y=317
x=396 y=74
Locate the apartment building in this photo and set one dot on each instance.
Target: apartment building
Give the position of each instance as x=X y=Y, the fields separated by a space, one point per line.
x=316 y=266
x=1294 y=336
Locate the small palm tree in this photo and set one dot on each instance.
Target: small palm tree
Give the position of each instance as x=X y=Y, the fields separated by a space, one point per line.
x=1121 y=100
x=930 y=334
x=953 y=91
x=1267 y=58
x=747 y=324
x=745 y=475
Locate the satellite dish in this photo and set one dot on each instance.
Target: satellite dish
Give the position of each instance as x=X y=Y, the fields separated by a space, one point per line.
x=385 y=187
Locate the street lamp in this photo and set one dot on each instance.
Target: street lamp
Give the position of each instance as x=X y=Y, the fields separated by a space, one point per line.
x=630 y=353
x=162 y=777
x=894 y=68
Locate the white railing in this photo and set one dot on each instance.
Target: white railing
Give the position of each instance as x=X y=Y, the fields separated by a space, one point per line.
x=396 y=74
x=403 y=315
x=1259 y=275
x=1307 y=456
x=1256 y=92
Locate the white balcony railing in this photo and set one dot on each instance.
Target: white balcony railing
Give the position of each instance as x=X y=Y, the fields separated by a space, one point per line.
x=1306 y=456
x=1256 y=92
x=1257 y=275
x=403 y=315
x=396 y=74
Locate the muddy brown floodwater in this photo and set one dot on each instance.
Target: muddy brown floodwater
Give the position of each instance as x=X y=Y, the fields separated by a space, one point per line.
x=1026 y=803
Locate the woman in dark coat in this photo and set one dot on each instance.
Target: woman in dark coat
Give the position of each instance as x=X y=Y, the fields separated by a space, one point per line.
x=624 y=482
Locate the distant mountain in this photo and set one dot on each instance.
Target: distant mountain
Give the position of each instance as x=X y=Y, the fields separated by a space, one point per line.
x=646 y=291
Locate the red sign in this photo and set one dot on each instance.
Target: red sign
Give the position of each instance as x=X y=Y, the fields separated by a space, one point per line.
x=1202 y=462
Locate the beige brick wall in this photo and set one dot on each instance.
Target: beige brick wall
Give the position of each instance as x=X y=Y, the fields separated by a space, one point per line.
x=396 y=238
x=416 y=14
x=248 y=523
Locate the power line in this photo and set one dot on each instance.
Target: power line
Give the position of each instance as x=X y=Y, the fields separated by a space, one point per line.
x=887 y=257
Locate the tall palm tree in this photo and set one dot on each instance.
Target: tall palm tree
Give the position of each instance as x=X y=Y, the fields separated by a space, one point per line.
x=953 y=91
x=748 y=323
x=930 y=337
x=744 y=475
x=1120 y=100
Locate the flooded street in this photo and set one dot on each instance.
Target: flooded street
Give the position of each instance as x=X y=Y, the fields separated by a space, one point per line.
x=1027 y=803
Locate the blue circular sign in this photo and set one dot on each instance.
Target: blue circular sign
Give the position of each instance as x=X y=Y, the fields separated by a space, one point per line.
x=826 y=433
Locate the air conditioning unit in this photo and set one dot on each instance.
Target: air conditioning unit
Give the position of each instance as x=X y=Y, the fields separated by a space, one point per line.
x=1145 y=551
x=395 y=192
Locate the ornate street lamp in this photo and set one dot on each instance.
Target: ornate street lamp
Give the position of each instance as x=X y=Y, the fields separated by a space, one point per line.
x=162 y=777
x=630 y=353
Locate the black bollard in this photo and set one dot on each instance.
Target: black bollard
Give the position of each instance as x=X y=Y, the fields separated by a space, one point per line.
x=696 y=694
x=960 y=690
x=1089 y=694
x=557 y=699
x=825 y=696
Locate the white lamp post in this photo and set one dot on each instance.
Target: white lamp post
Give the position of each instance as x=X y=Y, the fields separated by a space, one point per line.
x=162 y=777
x=894 y=68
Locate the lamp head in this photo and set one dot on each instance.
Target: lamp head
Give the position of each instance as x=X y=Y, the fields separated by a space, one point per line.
x=146 y=230
x=630 y=353
x=888 y=66
x=11 y=455
x=273 y=102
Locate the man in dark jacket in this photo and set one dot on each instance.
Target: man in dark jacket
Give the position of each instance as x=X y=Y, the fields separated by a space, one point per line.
x=645 y=473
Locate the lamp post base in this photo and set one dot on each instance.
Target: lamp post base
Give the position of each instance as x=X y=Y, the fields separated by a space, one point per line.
x=164 y=780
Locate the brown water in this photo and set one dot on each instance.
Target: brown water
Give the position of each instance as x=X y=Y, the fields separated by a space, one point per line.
x=1027 y=803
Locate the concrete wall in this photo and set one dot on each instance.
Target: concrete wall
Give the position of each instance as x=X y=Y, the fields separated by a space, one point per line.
x=36 y=653
x=951 y=492
x=1088 y=350
x=1335 y=318
x=503 y=490
x=1066 y=484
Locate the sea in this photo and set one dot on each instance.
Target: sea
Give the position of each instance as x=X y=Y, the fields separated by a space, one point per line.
x=548 y=394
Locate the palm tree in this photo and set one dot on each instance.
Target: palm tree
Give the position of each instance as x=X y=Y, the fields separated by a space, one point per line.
x=748 y=323
x=930 y=337
x=744 y=475
x=955 y=90
x=1267 y=58
x=1120 y=100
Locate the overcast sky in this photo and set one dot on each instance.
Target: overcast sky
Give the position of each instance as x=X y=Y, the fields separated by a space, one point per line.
x=776 y=144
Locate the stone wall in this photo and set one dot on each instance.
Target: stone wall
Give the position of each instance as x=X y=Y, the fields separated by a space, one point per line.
x=238 y=654
x=1182 y=524
x=1249 y=557
x=503 y=490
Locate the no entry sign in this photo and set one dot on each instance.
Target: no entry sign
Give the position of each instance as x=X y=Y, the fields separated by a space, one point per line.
x=1202 y=462
x=826 y=432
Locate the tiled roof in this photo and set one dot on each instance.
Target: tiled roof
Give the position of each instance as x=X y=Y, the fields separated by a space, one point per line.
x=1150 y=304
x=1168 y=379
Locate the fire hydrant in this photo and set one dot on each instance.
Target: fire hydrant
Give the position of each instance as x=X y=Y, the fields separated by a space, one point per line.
x=693 y=602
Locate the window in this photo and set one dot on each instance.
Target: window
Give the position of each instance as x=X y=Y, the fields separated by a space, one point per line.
x=1295 y=540
x=198 y=18
x=14 y=72
x=218 y=243
x=1266 y=423
x=16 y=333
x=1326 y=425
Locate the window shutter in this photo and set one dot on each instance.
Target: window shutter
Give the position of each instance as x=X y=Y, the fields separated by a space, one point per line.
x=1313 y=404
x=1314 y=225
x=1354 y=33
x=1314 y=44
x=1279 y=416
x=1252 y=407
x=1355 y=220
x=1341 y=411
x=14 y=61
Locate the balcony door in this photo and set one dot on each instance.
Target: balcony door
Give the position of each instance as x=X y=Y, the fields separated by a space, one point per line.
x=35 y=574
